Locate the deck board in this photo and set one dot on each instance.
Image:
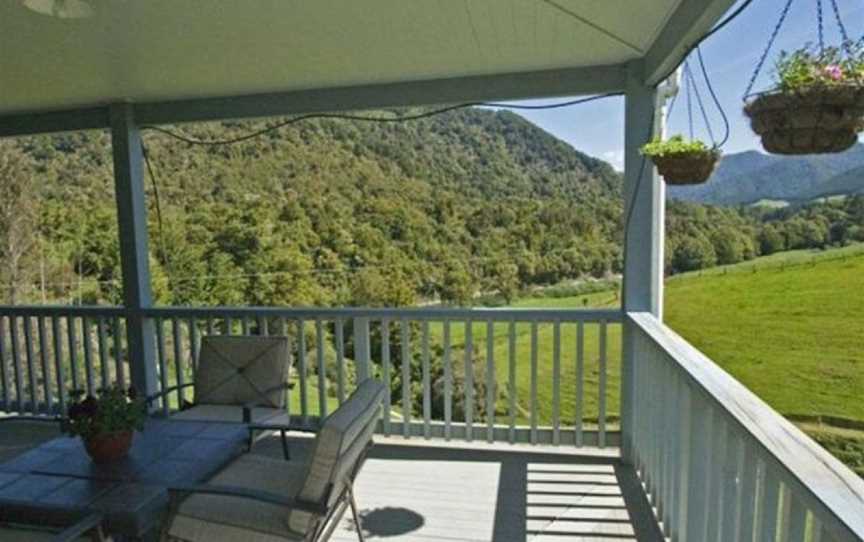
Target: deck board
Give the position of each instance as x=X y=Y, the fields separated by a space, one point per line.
x=431 y=491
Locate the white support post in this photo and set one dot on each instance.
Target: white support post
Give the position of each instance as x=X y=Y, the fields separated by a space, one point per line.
x=134 y=254
x=643 y=236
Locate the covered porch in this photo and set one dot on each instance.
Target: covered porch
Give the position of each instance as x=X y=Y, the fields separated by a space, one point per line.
x=687 y=453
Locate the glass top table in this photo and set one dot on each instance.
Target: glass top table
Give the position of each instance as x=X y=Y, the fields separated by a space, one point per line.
x=57 y=479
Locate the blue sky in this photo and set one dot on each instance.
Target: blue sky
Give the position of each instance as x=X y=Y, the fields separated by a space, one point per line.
x=597 y=128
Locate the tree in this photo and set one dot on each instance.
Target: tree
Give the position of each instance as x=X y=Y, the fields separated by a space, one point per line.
x=693 y=253
x=19 y=212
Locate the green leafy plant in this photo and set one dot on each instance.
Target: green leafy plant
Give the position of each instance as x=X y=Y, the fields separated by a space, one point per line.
x=115 y=410
x=675 y=145
x=811 y=66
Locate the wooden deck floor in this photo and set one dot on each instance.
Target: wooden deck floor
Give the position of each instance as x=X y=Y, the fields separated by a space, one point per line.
x=434 y=491
x=429 y=491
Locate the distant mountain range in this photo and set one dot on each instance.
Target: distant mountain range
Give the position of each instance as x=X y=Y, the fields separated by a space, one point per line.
x=751 y=176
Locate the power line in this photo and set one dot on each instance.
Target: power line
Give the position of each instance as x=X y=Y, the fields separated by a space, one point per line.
x=365 y=118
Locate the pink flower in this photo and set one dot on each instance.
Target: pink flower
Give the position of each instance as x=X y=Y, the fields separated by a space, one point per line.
x=833 y=71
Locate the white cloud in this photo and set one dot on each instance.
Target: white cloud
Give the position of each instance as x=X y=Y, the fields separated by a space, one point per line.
x=616 y=158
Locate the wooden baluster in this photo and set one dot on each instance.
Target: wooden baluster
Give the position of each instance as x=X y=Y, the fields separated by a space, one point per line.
x=601 y=401
x=59 y=367
x=86 y=341
x=180 y=374
x=534 y=405
x=340 y=360
x=18 y=372
x=469 y=379
x=117 y=333
x=163 y=364
x=406 y=378
x=31 y=365
x=301 y=370
x=580 y=382
x=427 y=382
x=556 y=383
x=47 y=395
x=385 y=372
x=4 y=368
x=511 y=379
x=72 y=336
x=490 y=381
x=448 y=383
x=322 y=370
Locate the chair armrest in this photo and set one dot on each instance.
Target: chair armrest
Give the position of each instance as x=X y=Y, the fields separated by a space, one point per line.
x=259 y=401
x=251 y=494
x=264 y=426
x=161 y=394
x=72 y=533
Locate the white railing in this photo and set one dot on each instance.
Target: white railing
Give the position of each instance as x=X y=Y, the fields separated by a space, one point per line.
x=718 y=464
x=538 y=376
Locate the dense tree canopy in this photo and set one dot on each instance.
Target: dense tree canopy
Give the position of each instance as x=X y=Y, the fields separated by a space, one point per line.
x=332 y=212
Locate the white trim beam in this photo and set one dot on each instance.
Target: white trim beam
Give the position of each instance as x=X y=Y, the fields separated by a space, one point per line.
x=692 y=20
x=484 y=88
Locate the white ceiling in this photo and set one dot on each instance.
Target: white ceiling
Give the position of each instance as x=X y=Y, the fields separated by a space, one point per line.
x=150 y=50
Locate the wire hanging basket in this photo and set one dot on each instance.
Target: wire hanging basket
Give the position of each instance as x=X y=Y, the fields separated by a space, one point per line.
x=810 y=121
x=818 y=104
x=690 y=162
x=688 y=167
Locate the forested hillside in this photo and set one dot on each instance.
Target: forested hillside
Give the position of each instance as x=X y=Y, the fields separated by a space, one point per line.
x=335 y=212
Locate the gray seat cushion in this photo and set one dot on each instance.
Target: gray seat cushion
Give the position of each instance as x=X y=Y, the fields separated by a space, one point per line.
x=216 y=517
x=233 y=370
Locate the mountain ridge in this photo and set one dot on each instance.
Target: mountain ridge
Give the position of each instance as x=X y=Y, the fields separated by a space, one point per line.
x=750 y=176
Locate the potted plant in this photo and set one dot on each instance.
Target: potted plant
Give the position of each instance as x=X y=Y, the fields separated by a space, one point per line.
x=107 y=423
x=817 y=105
x=682 y=162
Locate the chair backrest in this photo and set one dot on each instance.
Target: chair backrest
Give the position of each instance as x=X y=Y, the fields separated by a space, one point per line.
x=233 y=370
x=339 y=447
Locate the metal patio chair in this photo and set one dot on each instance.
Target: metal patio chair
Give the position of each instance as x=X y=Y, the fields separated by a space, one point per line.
x=242 y=379
x=260 y=499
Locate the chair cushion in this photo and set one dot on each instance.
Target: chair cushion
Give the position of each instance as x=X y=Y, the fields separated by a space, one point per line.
x=228 y=413
x=342 y=439
x=233 y=370
x=217 y=517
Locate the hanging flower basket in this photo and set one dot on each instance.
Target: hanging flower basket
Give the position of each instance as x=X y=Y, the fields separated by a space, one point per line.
x=820 y=119
x=682 y=163
x=817 y=105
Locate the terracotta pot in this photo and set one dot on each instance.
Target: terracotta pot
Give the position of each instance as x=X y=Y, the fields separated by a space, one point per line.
x=109 y=447
x=687 y=167
x=811 y=121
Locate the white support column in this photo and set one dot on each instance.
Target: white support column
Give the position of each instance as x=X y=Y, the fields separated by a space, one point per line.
x=134 y=253
x=644 y=208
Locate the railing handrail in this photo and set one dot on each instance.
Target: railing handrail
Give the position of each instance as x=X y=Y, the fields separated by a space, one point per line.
x=63 y=310
x=410 y=313
x=815 y=471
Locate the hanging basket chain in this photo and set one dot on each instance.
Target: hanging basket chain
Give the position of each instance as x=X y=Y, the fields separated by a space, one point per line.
x=843 y=33
x=767 y=50
x=689 y=74
x=689 y=92
x=820 y=26
x=714 y=97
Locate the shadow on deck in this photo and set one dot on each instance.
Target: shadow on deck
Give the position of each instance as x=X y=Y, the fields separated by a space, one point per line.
x=422 y=490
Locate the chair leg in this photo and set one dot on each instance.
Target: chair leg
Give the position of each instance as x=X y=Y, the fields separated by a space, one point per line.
x=353 y=503
x=285 y=451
